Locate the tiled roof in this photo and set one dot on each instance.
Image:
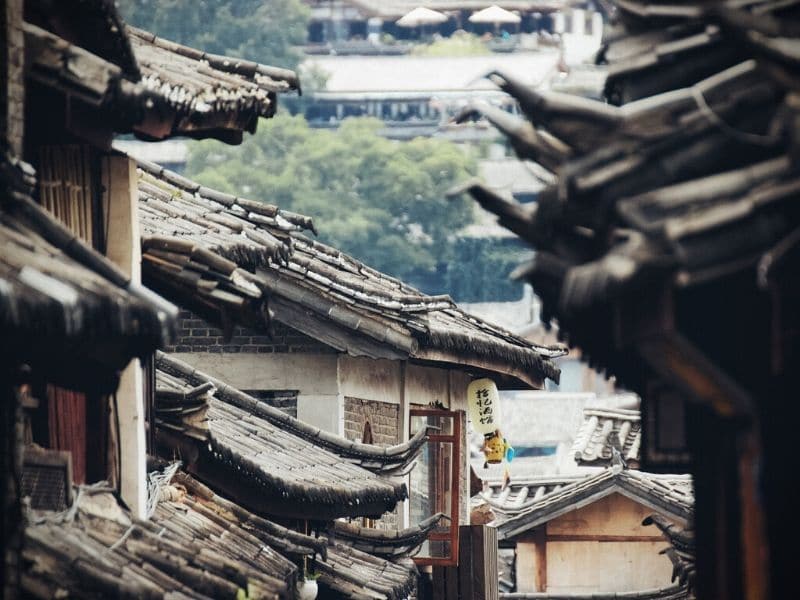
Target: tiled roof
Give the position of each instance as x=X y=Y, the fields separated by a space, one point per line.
x=523 y=492
x=603 y=429
x=682 y=551
x=196 y=544
x=388 y=543
x=294 y=469
x=679 y=179
x=145 y=84
x=79 y=74
x=198 y=243
x=344 y=570
x=56 y=292
x=350 y=573
x=188 y=549
x=518 y=512
x=209 y=94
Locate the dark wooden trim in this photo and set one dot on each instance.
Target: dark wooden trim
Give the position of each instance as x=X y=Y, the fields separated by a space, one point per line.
x=442 y=438
x=540 y=549
x=465 y=566
x=479 y=561
x=430 y=412
x=574 y=537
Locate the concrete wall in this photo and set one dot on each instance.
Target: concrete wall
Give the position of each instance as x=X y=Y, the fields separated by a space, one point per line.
x=602 y=547
x=315 y=377
x=379 y=380
x=310 y=374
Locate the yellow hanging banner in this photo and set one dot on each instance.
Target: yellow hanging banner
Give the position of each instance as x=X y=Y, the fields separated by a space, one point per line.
x=483 y=402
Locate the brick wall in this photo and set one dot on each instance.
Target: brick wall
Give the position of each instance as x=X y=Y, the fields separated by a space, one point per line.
x=285 y=400
x=384 y=420
x=383 y=417
x=12 y=90
x=197 y=335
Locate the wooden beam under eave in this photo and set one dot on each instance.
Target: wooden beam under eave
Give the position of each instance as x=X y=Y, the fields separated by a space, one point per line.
x=508 y=374
x=646 y=323
x=158 y=124
x=83 y=122
x=58 y=64
x=683 y=365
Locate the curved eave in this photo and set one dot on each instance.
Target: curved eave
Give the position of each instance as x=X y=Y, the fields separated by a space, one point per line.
x=374 y=458
x=511 y=377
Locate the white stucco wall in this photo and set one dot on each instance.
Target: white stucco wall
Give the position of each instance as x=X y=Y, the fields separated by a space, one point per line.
x=369 y=379
x=324 y=380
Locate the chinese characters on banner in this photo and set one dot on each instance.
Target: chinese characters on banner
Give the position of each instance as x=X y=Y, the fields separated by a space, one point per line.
x=484 y=405
x=484 y=411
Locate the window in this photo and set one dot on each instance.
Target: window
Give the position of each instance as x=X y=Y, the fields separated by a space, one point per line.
x=434 y=483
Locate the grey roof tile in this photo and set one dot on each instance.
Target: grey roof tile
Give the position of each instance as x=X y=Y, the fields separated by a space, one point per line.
x=603 y=429
x=518 y=510
x=262 y=446
x=309 y=286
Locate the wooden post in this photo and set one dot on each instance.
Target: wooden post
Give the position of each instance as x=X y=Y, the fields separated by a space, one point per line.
x=475 y=577
x=755 y=556
x=404 y=506
x=465 y=562
x=120 y=200
x=540 y=553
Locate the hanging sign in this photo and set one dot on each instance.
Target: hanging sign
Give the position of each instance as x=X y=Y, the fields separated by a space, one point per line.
x=483 y=401
x=484 y=405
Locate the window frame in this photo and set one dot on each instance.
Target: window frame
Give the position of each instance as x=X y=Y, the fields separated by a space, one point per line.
x=454 y=439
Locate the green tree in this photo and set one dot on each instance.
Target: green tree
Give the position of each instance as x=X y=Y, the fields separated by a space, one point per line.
x=380 y=200
x=265 y=31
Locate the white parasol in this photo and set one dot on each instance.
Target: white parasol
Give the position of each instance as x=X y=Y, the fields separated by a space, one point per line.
x=421 y=16
x=494 y=14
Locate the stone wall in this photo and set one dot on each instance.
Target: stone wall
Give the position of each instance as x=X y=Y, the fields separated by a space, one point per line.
x=12 y=90
x=197 y=335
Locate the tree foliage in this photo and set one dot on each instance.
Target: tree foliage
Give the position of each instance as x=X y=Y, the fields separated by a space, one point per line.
x=459 y=44
x=381 y=201
x=265 y=31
